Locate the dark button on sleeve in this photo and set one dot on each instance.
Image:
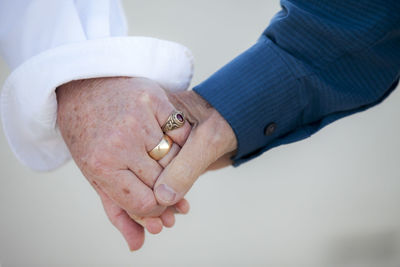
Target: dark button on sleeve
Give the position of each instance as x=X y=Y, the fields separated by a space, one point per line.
x=270 y=129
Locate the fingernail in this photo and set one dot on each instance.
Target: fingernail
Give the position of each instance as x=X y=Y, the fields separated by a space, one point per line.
x=165 y=193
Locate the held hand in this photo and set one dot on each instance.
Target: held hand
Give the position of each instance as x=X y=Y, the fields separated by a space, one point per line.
x=109 y=125
x=210 y=145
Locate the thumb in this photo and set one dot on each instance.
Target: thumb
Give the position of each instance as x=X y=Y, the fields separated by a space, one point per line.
x=202 y=148
x=181 y=173
x=211 y=137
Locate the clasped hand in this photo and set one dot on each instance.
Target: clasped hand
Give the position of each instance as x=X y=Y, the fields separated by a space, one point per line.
x=110 y=125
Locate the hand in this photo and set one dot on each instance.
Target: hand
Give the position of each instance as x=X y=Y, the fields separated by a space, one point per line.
x=109 y=125
x=210 y=145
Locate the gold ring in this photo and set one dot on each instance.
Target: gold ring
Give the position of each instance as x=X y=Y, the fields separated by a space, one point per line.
x=162 y=148
x=174 y=121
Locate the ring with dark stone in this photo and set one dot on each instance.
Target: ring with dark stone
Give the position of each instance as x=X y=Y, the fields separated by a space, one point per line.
x=174 y=121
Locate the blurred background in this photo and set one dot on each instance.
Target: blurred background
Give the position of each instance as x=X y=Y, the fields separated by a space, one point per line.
x=331 y=200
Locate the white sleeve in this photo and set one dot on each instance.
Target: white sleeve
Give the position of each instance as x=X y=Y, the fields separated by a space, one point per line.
x=47 y=43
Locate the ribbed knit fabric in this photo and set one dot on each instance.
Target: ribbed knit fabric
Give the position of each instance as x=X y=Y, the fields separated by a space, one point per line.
x=318 y=61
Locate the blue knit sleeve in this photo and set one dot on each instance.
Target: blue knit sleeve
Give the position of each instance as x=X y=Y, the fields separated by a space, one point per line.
x=318 y=61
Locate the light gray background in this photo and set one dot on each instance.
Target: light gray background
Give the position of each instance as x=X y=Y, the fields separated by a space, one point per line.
x=331 y=200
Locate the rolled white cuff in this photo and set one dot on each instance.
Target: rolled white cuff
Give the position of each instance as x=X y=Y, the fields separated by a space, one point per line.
x=28 y=99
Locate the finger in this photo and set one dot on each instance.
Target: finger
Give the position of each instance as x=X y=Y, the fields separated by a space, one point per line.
x=130 y=230
x=138 y=160
x=154 y=225
x=145 y=168
x=178 y=177
x=168 y=217
x=161 y=107
x=182 y=206
x=179 y=135
x=170 y=156
x=148 y=169
x=131 y=194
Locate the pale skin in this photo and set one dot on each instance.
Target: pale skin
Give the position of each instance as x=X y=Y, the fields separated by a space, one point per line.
x=110 y=124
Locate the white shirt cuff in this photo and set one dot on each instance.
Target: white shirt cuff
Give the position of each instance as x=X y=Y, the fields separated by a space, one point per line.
x=28 y=99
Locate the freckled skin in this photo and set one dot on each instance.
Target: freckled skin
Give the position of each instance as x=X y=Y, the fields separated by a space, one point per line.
x=110 y=124
x=109 y=133
x=101 y=122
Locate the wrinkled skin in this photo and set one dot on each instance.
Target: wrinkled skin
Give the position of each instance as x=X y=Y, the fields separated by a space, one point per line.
x=210 y=146
x=109 y=125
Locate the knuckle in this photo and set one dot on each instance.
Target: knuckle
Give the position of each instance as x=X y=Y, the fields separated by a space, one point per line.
x=146 y=205
x=146 y=97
